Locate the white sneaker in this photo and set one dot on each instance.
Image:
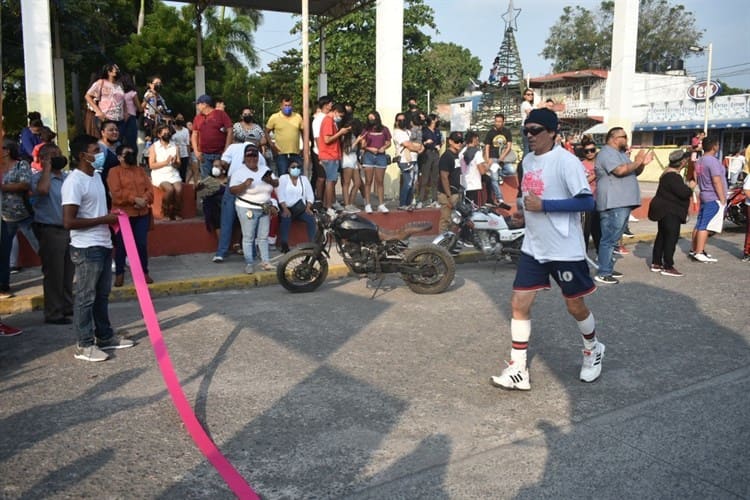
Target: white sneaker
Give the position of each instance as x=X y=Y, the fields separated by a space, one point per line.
x=435 y=204
x=352 y=209
x=592 y=363
x=632 y=219
x=331 y=213
x=249 y=269
x=512 y=377
x=419 y=205
x=368 y=208
x=217 y=258
x=703 y=257
x=90 y=353
x=383 y=209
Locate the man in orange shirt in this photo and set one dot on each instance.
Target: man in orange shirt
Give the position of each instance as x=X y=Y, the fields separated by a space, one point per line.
x=329 y=152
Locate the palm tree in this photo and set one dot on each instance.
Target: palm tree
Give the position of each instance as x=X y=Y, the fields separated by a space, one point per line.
x=230 y=37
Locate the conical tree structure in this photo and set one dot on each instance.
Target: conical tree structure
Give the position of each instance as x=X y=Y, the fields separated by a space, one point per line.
x=502 y=91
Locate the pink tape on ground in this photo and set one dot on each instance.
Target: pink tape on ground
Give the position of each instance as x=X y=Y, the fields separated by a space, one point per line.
x=233 y=478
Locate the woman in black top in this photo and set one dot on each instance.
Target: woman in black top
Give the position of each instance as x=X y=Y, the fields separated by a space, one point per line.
x=669 y=208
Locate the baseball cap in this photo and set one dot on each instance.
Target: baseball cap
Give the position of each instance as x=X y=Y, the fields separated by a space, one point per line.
x=205 y=99
x=456 y=137
x=675 y=157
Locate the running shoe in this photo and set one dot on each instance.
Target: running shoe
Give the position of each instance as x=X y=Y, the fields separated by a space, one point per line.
x=592 y=363
x=513 y=377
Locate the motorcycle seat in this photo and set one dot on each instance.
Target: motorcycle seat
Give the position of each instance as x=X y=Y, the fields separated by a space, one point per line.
x=405 y=231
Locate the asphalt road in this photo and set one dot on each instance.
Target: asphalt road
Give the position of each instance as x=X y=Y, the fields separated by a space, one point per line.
x=336 y=394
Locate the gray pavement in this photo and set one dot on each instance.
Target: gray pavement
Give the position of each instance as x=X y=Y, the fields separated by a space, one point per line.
x=336 y=395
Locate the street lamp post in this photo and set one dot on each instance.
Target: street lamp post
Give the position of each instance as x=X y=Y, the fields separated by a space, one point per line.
x=707 y=88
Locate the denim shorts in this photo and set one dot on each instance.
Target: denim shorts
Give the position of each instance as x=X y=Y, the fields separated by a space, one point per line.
x=332 y=169
x=370 y=159
x=573 y=278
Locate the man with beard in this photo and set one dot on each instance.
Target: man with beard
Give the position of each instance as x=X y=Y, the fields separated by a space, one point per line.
x=54 y=239
x=617 y=193
x=555 y=191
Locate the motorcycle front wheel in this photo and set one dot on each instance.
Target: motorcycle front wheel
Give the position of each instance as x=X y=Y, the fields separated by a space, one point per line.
x=432 y=269
x=301 y=271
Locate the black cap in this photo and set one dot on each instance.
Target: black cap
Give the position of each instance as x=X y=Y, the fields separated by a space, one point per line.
x=456 y=137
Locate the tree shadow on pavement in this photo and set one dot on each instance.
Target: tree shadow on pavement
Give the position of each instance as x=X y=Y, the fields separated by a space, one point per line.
x=666 y=419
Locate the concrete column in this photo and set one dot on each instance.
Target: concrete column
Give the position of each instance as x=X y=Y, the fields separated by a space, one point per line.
x=37 y=49
x=620 y=81
x=389 y=44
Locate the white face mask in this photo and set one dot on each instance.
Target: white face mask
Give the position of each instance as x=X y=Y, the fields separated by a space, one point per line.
x=215 y=171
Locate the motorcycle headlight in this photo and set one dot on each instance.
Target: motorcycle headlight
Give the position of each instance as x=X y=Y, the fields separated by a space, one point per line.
x=456 y=217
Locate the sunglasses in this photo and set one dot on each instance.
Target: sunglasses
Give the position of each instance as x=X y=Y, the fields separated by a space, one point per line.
x=251 y=154
x=621 y=137
x=533 y=130
x=590 y=150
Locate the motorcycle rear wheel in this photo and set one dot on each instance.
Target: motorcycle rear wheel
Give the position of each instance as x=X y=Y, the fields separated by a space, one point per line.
x=302 y=271
x=437 y=269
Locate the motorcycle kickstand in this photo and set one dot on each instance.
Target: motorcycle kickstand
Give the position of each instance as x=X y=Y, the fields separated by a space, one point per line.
x=377 y=287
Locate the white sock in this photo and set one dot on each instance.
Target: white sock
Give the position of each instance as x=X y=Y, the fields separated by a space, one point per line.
x=520 y=331
x=587 y=327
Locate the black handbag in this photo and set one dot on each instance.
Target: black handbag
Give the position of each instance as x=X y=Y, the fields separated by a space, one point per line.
x=298 y=208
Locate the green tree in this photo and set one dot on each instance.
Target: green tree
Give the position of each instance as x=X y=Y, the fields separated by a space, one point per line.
x=582 y=38
x=451 y=66
x=350 y=51
x=231 y=36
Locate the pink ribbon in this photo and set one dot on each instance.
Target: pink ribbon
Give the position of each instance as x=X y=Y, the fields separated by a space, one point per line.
x=230 y=475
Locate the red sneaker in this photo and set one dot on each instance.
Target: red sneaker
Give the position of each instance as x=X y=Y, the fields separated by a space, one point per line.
x=9 y=331
x=621 y=250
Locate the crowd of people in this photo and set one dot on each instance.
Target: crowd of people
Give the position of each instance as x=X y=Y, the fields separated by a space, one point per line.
x=252 y=182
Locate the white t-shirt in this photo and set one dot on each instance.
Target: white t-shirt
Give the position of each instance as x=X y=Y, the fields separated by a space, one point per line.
x=526 y=108
x=557 y=236
x=746 y=187
x=234 y=155
x=88 y=193
x=472 y=180
x=401 y=136
x=258 y=192
x=181 y=138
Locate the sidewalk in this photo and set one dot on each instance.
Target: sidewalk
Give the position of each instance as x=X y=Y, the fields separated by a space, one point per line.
x=196 y=273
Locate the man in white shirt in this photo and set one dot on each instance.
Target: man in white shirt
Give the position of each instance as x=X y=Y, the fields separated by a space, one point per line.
x=85 y=214
x=555 y=192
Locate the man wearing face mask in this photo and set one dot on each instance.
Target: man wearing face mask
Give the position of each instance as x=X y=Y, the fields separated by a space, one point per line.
x=54 y=239
x=329 y=152
x=86 y=215
x=286 y=126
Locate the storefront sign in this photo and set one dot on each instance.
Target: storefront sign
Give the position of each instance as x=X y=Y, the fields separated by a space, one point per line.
x=697 y=91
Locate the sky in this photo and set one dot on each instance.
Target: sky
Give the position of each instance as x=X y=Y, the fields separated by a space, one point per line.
x=477 y=25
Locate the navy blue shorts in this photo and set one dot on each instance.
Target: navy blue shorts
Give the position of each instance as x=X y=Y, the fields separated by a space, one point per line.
x=573 y=278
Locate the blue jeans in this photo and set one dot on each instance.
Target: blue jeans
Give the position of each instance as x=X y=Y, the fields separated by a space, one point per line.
x=284 y=160
x=91 y=286
x=502 y=169
x=285 y=224
x=226 y=223
x=130 y=136
x=140 y=225
x=613 y=224
x=260 y=222
x=207 y=163
x=408 y=176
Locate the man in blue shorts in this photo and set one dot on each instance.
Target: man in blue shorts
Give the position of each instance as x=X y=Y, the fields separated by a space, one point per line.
x=555 y=192
x=711 y=178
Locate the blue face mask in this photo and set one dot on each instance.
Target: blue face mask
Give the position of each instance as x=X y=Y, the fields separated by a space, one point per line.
x=287 y=110
x=295 y=171
x=98 y=162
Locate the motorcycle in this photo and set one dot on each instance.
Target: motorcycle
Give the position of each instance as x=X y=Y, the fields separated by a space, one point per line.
x=735 y=211
x=494 y=235
x=367 y=251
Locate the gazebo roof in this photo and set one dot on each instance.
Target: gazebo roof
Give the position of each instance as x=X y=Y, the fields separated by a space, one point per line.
x=327 y=8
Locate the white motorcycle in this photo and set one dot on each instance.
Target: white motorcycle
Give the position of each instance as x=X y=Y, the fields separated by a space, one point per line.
x=492 y=234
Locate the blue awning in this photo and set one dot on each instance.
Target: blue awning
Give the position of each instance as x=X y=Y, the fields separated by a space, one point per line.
x=691 y=125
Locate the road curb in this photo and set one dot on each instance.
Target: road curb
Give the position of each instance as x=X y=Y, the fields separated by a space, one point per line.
x=27 y=303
